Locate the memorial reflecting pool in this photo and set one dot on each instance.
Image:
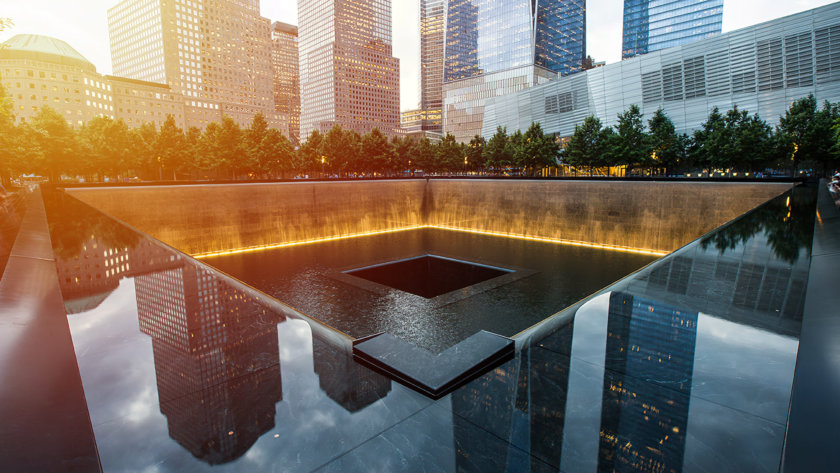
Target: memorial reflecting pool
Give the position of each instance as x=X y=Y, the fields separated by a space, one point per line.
x=685 y=365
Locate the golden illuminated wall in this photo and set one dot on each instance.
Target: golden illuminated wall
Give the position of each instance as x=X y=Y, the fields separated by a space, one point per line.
x=202 y=219
x=656 y=217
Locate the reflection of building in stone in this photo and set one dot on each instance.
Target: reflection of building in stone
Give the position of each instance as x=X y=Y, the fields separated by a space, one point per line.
x=87 y=278
x=216 y=360
x=522 y=400
x=345 y=381
x=643 y=423
x=746 y=285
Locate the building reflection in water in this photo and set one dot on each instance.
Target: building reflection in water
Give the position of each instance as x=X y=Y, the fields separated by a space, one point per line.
x=215 y=349
x=216 y=360
x=345 y=381
x=647 y=385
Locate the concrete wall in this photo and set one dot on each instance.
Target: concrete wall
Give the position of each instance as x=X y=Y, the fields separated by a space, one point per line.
x=658 y=216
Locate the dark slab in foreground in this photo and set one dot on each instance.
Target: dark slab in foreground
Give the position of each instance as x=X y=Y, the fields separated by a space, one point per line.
x=430 y=374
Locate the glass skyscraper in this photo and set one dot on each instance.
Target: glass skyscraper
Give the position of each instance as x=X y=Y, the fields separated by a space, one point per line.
x=495 y=47
x=432 y=21
x=651 y=25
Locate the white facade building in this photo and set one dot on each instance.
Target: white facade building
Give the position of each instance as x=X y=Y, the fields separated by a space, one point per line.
x=761 y=69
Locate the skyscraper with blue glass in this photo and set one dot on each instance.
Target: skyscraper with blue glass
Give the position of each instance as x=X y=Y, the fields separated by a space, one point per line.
x=495 y=47
x=651 y=25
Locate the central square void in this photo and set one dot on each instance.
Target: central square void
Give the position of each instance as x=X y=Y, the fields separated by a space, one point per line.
x=428 y=275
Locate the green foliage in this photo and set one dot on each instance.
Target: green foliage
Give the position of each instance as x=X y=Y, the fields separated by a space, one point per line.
x=535 y=150
x=57 y=144
x=450 y=154
x=108 y=144
x=630 y=145
x=377 y=155
x=668 y=149
x=499 y=151
x=590 y=145
x=475 y=153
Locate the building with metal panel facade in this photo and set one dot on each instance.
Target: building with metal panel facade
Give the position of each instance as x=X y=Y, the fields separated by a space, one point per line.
x=496 y=47
x=348 y=75
x=762 y=69
x=652 y=25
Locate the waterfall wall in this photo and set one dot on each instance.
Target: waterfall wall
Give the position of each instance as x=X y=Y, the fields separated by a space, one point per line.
x=656 y=216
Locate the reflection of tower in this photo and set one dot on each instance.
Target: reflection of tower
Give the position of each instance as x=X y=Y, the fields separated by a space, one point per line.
x=523 y=400
x=642 y=423
x=345 y=381
x=216 y=360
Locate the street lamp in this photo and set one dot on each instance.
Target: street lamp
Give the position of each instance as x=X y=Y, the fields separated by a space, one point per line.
x=323 y=160
x=465 y=165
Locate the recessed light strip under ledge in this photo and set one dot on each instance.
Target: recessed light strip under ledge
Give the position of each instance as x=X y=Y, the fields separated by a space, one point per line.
x=559 y=241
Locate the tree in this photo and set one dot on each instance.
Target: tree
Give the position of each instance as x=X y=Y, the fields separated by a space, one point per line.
x=631 y=146
x=145 y=157
x=666 y=146
x=536 y=150
x=109 y=144
x=424 y=156
x=710 y=144
x=8 y=136
x=450 y=154
x=170 y=148
x=341 y=148
x=231 y=148
x=57 y=143
x=752 y=141
x=274 y=154
x=475 y=153
x=377 y=155
x=805 y=132
x=403 y=153
x=192 y=150
x=590 y=144
x=498 y=152
x=310 y=154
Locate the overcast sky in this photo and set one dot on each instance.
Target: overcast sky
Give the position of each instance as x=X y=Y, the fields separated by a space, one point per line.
x=83 y=24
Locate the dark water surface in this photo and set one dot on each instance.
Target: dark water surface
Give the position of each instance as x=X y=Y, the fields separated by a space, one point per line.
x=546 y=278
x=685 y=366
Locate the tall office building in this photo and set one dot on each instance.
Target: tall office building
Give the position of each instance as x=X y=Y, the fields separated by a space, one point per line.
x=432 y=36
x=348 y=76
x=284 y=62
x=216 y=54
x=651 y=25
x=496 y=47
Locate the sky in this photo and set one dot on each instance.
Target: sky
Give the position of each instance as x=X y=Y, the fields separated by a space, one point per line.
x=83 y=25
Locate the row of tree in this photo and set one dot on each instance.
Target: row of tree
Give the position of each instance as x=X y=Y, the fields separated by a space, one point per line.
x=103 y=147
x=735 y=140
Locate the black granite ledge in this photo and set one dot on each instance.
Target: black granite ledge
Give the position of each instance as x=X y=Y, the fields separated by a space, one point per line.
x=430 y=374
x=811 y=437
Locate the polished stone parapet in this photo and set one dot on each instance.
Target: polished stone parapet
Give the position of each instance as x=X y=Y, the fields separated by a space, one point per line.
x=41 y=395
x=810 y=439
x=651 y=216
x=434 y=375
